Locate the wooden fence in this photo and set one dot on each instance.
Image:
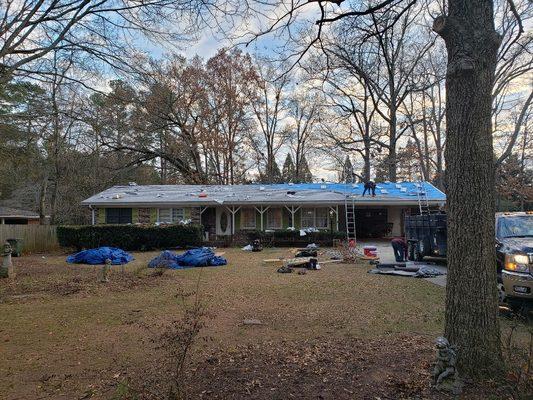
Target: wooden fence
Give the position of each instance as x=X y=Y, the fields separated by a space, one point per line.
x=36 y=238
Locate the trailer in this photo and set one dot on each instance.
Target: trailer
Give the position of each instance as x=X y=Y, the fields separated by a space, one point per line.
x=426 y=236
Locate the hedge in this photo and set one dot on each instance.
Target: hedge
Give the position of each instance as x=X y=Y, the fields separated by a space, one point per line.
x=130 y=237
x=292 y=237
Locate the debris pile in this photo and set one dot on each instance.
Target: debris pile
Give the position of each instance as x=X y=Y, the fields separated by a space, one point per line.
x=409 y=269
x=201 y=257
x=100 y=255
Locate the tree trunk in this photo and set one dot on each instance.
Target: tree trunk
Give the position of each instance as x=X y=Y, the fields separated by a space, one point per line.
x=42 y=200
x=471 y=295
x=392 y=146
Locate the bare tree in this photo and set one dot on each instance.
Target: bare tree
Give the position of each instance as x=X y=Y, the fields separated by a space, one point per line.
x=101 y=29
x=230 y=78
x=270 y=109
x=349 y=122
x=511 y=99
x=304 y=114
x=385 y=60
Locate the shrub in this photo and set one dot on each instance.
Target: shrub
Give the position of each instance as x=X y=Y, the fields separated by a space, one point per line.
x=130 y=237
x=292 y=237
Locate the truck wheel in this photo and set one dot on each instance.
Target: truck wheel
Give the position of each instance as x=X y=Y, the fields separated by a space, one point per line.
x=418 y=256
x=410 y=251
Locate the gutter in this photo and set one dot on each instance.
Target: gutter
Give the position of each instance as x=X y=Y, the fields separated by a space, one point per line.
x=281 y=203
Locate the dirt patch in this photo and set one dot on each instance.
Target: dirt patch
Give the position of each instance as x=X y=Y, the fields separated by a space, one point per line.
x=39 y=277
x=324 y=368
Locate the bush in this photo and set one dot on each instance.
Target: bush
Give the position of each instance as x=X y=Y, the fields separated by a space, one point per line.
x=130 y=237
x=293 y=238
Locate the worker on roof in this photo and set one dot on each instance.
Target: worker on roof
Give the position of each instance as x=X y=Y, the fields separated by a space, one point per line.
x=370 y=187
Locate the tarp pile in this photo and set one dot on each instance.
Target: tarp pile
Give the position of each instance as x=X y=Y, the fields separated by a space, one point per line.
x=100 y=255
x=410 y=269
x=201 y=257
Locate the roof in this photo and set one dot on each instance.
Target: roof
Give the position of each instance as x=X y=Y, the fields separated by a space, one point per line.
x=8 y=212
x=401 y=193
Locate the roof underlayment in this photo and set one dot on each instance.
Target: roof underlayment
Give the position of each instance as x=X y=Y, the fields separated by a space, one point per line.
x=388 y=193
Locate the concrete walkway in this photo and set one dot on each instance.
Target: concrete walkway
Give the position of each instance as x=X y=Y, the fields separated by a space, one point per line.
x=386 y=255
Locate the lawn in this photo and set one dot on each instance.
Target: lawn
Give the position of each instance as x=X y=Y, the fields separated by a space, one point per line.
x=337 y=333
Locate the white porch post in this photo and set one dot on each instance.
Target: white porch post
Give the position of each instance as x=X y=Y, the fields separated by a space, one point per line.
x=3 y=221
x=233 y=211
x=293 y=211
x=93 y=216
x=261 y=211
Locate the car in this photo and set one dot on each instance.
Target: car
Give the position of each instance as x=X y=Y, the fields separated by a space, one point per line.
x=514 y=256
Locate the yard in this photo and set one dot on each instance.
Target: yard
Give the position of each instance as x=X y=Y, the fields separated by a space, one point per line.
x=337 y=333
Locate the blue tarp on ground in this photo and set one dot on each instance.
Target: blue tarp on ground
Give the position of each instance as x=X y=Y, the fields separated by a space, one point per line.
x=99 y=255
x=201 y=257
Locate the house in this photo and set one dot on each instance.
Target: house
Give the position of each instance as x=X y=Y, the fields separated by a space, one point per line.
x=224 y=210
x=13 y=216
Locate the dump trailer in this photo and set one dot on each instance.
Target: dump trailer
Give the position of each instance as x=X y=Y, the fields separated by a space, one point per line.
x=426 y=236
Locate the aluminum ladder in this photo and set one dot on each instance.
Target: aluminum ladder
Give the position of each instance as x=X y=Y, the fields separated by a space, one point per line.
x=421 y=194
x=349 y=209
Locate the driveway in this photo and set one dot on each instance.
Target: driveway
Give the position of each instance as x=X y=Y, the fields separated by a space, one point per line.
x=386 y=255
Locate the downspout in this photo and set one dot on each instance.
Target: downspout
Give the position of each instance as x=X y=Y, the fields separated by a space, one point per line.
x=93 y=215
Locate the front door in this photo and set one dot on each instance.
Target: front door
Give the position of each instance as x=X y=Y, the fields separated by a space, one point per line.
x=223 y=221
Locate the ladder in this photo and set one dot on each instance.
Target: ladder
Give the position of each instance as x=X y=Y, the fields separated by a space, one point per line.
x=421 y=194
x=349 y=209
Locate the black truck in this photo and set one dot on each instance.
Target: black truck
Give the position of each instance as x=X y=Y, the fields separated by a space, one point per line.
x=426 y=236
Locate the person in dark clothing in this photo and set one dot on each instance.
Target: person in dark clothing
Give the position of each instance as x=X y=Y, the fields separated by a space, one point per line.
x=370 y=187
x=399 y=245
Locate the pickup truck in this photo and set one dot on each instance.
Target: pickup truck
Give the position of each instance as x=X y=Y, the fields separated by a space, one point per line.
x=426 y=236
x=514 y=255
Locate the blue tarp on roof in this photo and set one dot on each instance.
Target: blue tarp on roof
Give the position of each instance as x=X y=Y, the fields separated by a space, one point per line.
x=402 y=190
x=100 y=255
x=201 y=257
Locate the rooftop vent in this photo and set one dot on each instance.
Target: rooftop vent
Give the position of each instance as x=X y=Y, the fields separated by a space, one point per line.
x=132 y=184
x=261 y=188
x=116 y=196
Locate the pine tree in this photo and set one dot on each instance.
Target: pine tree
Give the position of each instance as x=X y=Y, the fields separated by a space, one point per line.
x=288 y=171
x=304 y=173
x=347 y=173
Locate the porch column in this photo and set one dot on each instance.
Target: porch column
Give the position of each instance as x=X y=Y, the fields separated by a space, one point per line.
x=293 y=211
x=233 y=211
x=3 y=221
x=336 y=211
x=202 y=209
x=261 y=211
x=93 y=216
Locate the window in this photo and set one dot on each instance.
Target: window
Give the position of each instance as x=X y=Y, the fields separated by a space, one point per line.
x=322 y=218
x=274 y=218
x=171 y=215
x=308 y=218
x=248 y=218
x=118 y=216
x=315 y=218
